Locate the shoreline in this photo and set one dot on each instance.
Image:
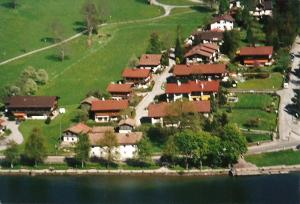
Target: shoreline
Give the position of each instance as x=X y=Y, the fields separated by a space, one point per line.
x=235 y=172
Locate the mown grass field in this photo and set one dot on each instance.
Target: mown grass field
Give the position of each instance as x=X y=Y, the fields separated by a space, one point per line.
x=178 y=2
x=252 y=106
x=90 y=68
x=287 y=157
x=274 y=82
x=251 y=138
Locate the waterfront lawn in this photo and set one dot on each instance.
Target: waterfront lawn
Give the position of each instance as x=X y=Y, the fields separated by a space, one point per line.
x=252 y=138
x=178 y=2
x=287 y=157
x=274 y=82
x=253 y=106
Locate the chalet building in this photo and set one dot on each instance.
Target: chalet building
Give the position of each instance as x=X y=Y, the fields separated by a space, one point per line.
x=215 y=37
x=200 y=71
x=126 y=125
x=223 y=23
x=127 y=148
x=203 y=53
x=32 y=107
x=108 y=110
x=2 y=126
x=193 y=90
x=256 y=56
x=157 y=112
x=263 y=8
x=138 y=77
x=150 y=61
x=120 y=91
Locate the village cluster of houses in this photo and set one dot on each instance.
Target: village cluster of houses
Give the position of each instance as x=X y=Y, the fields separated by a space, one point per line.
x=196 y=81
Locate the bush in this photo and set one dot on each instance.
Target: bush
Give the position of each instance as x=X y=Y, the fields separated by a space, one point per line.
x=48 y=121
x=7 y=132
x=254 y=122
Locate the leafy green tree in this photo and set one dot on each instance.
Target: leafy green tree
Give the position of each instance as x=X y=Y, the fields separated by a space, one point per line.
x=250 y=37
x=82 y=149
x=109 y=143
x=231 y=43
x=35 y=146
x=30 y=87
x=144 y=150
x=12 y=154
x=233 y=143
x=223 y=6
x=170 y=151
x=42 y=77
x=133 y=61
x=179 y=49
x=155 y=44
x=82 y=115
x=165 y=59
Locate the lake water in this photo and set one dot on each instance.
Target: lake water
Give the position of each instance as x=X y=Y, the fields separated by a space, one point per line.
x=156 y=189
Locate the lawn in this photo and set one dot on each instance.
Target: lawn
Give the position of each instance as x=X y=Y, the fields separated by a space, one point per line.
x=29 y=24
x=274 y=82
x=178 y=2
x=287 y=157
x=252 y=106
x=251 y=138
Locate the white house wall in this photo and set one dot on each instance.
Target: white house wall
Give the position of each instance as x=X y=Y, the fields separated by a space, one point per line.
x=123 y=152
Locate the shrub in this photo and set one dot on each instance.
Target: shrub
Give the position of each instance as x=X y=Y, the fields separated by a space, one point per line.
x=48 y=121
x=253 y=122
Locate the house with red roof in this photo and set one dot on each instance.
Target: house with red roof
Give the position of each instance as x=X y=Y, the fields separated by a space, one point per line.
x=157 y=112
x=108 y=110
x=193 y=90
x=256 y=56
x=120 y=91
x=224 y=22
x=138 y=77
x=150 y=61
x=199 y=71
x=209 y=36
x=203 y=53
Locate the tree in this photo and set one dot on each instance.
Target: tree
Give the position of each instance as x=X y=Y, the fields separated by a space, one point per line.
x=250 y=37
x=233 y=143
x=223 y=6
x=35 y=146
x=133 y=61
x=170 y=150
x=58 y=36
x=42 y=77
x=28 y=73
x=155 y=44
x=30 y=87
x=109 y=143
x=179 y=49
x=296 y=103
x=12 y=153
x=165 y=59
x=231 y=43
x=144 y=150
x=82 y=115
x=82 y=149
x=93 y=16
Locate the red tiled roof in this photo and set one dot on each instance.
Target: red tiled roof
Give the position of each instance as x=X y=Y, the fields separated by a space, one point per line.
x=150 y=59
x=136 y=73
x=193 y=86
x=161 y=109
x=256 y=51
x=206 y=49
x=109 y=105
x=226 y=17
x=31 y=101
x=209 y=35
x=119 y=88
x=186 y=70
x=79 y=128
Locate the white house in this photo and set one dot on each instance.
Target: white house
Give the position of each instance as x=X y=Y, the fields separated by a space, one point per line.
x=126 y=125
x=263 y=8
x=222 y=23
x=70 y=136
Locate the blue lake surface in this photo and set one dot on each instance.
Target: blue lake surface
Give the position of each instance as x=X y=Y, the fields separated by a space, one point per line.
x=155 y=189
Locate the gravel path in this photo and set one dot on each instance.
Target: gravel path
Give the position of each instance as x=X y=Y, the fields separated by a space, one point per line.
x=14 y=136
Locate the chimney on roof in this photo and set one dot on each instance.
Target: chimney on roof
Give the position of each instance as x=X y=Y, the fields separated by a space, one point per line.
x=120 y=82
x=178 y=83
x=197 y=81
x=103 y=99
x=202 y=86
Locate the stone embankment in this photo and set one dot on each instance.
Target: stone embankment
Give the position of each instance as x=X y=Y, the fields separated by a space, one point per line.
x=265 y=170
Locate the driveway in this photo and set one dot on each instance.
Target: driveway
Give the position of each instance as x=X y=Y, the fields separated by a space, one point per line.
x=157 y=90
x=14 y=136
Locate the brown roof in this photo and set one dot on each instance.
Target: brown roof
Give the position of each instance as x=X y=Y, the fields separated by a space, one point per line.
x=119 y=88
x=102 y=129
x=256 y=51
x=226 y=17
x=89 y=100
x=209 y=35
x=161 y=109
x=206 y=49
x=186 y=70
x=79 y=128
x=193 y=86
x=109 y=105
x=123 y=138
x=127 y=121
x=150 y=59
x=31 y=101
x=136 y=73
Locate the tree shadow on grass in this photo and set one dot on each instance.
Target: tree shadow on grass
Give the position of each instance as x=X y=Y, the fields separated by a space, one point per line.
x=49 y=40
x=202 y=9
x=145 y=2
x=79 y=26
x=8 y=5
x=56 y=58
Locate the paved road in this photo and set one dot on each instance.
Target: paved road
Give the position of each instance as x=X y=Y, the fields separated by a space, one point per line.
x=15 y=135
x=157 y=90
